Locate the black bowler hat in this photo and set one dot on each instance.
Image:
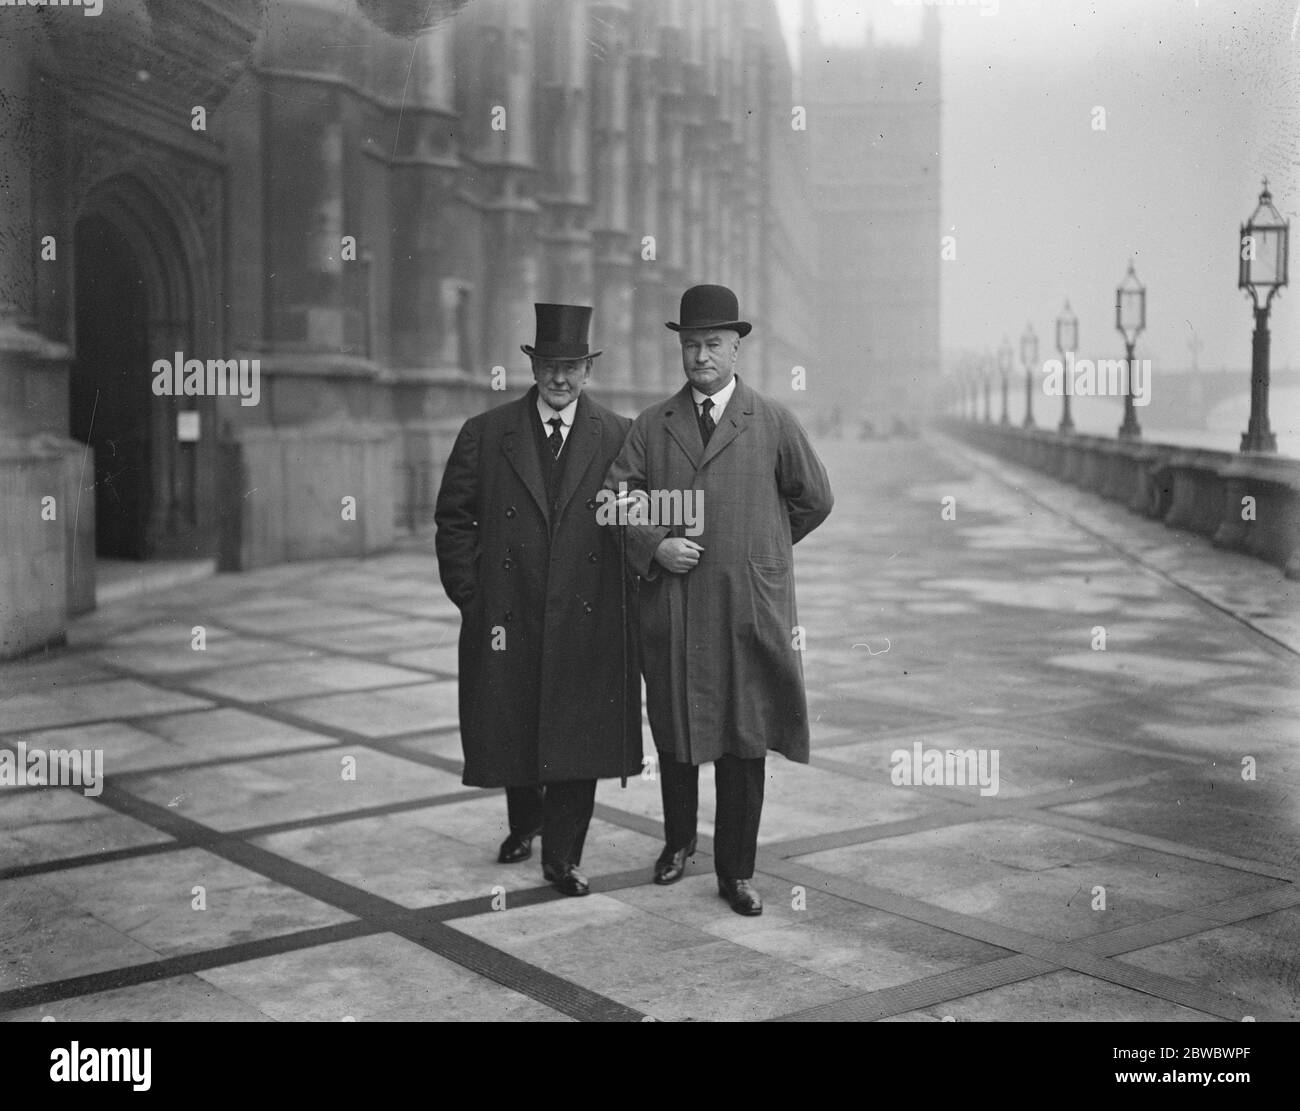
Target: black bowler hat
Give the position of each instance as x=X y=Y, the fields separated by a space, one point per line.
x=561 y=332
x=710 y=306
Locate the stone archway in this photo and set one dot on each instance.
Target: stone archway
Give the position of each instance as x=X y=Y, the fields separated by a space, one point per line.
x=138 y=284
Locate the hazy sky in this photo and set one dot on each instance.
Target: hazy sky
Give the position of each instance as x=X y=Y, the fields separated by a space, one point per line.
x=1201 y=99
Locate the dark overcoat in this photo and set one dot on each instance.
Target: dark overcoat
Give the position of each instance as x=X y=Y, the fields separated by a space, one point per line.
x=547 y=689
x=723 y=670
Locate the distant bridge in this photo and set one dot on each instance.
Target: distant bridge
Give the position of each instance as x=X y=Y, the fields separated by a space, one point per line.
x=1185 y=398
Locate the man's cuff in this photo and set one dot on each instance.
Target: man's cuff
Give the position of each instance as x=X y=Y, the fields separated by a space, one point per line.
x=642 y=543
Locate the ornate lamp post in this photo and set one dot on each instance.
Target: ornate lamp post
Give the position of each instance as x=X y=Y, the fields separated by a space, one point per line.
x=1263 y=264
x=1067 y=340
x=1028 y=357
x=1005 y=357
x=986 y=374
x=1130 y=320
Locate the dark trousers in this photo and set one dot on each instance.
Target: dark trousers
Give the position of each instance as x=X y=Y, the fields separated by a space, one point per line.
x=740 y=786
x=562 y=811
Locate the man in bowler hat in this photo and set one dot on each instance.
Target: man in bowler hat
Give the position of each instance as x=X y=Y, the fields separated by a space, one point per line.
x=724 y=680
x=549 y=692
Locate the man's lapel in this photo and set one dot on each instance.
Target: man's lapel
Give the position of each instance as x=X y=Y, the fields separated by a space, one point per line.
x=580 y=448
x=520 y=450
x=733 y=420
x=682 y=426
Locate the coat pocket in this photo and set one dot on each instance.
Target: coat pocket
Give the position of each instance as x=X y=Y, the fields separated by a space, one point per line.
x=769 y=589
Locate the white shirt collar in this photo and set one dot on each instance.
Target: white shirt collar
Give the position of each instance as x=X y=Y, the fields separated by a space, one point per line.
x=719 y=399
x=547 y=413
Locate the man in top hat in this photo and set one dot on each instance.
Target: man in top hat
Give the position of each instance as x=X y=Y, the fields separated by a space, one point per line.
x=549 y=691
x=724 y=678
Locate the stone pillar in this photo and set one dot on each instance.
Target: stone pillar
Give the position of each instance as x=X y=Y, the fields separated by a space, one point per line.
x=428 y=232
x=609 y=172
x=498 y=37
x=44 y=558
x=426 y=286
x=304 y=151
x=695 y=148
x=645 y=213
x=673 y=241
x=563 y=124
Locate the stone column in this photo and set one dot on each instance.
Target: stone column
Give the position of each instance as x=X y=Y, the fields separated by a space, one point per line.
x=498 y=37
x=43 y=562
x=672 y=240
x=425 y=281
x=304 y=151
x=609 y=172
x=563 y=125
x=645 y=219
x=752 y=251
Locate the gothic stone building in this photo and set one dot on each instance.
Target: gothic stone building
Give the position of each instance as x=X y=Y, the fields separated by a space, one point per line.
x=360 y=199
x=874 y=127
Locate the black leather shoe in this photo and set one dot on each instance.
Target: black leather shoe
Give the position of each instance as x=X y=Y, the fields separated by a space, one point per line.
x=516 y=848
x=741 y=895
x=566 y=878
x=671 y=865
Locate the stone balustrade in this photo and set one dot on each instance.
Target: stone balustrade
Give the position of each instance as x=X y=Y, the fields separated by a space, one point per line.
x=1206 y=492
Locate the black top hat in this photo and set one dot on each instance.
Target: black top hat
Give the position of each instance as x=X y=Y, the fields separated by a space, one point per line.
x=710 y=306
x=561 y=332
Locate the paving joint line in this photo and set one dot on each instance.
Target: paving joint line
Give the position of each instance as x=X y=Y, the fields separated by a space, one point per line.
x=386 y=916
x=1272 y=641
x=1063 y=954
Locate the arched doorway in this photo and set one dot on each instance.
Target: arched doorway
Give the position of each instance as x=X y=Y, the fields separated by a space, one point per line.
x=110 y=396
x=137 y=282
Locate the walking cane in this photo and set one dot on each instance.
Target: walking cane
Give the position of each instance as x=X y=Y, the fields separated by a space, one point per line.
x=622 y=611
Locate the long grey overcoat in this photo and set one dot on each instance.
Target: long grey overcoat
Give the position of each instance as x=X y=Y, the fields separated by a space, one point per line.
x=722 y=672
x=542 y=678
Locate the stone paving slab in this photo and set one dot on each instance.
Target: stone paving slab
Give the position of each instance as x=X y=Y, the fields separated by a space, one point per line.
x=377 y=897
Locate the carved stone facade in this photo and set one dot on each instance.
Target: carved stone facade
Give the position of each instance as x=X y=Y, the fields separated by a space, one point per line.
x=873 y=121
x=367 y=197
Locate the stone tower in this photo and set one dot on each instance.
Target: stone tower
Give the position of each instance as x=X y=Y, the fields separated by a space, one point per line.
x=873 y=122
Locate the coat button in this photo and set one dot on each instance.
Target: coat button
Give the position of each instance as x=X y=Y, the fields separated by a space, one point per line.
x=510 y=511
x=591 y=557
x=586 y=607
x=591 y=503
x=510 y=615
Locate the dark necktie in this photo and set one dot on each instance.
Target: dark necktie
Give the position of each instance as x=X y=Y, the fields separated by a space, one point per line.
x=555 y=439
x=707 y=424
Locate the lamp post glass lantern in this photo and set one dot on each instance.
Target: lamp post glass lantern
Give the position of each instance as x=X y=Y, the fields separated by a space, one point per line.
x=1262 y=269
x=1028 y=357
x=1067 y=341
x=1005 y=357
x=1130 y=320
